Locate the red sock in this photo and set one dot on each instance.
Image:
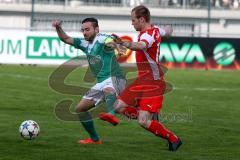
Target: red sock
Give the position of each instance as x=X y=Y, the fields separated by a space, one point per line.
x=159 y=130
x=131 y=112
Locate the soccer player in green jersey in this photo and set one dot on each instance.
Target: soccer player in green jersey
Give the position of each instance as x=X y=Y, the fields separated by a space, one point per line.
x=105 y=68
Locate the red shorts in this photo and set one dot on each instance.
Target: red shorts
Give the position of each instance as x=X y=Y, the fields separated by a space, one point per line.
x=145 y=94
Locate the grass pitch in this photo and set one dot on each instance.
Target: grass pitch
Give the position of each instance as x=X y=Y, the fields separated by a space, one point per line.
x=203 y=110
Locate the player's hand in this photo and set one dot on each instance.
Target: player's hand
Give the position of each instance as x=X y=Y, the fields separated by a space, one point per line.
x=169 y=30
x=56 y=23
x=121 y=50
x=117 y=39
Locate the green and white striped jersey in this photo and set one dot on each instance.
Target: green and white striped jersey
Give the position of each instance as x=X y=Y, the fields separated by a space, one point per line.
x=102 y=61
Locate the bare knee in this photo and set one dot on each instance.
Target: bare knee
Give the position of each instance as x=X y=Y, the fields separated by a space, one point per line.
x=143 y=122
x=79 y=109
x=119 y=106
x=84 y=105
x=144 y=119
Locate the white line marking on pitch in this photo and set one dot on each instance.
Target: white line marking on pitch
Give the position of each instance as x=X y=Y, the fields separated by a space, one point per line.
x=175 y=88
x=207 y=89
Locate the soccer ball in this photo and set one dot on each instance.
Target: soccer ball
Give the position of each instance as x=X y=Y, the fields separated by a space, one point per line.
x=29 y=129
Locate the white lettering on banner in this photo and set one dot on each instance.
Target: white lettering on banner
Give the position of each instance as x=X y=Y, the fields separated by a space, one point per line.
x=44 y=48
x=70 y=51
x=51 y=48
x=57 y=47
x=31 y=49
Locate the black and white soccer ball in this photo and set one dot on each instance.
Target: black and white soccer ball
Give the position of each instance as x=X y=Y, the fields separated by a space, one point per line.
x=29 y=129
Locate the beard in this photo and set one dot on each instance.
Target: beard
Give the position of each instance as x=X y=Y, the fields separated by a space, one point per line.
x=90 y=38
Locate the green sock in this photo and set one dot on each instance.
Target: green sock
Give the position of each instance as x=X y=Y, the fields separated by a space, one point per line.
x=110 y=99
x=87 y=122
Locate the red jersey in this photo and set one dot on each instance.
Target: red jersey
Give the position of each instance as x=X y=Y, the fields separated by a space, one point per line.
x=146 y=92
x=147 y=60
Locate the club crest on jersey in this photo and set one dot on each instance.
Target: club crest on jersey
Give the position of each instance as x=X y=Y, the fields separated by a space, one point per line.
x=95 y=59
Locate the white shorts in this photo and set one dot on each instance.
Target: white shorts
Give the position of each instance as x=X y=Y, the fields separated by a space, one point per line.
x=96 y=92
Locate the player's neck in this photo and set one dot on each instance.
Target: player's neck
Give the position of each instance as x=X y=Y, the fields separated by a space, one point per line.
x=146 y=27
x=92 y=39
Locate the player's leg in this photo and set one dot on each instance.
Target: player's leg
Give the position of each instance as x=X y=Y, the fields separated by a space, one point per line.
x=145 y=120
x=123 y=105
x=131 y=112
x=127 y=101
x=149 y=107
x=119 y=106
x=86 y=119
x=93 y=97
x=110 y=98
x=112 y=87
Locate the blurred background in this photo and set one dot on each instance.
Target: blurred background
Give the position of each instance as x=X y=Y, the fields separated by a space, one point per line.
x=202 y=18
x=205 y=33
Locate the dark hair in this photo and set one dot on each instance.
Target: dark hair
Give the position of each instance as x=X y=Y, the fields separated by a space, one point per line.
x=94 y=21
x=142 y=11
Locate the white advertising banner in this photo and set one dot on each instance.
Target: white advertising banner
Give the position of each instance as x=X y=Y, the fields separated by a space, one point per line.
x=26 y=47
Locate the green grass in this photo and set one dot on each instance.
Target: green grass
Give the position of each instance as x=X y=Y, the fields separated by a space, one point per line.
x=203 y=110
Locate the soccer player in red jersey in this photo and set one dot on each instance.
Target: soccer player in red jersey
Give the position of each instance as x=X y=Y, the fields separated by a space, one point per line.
x=147 y=90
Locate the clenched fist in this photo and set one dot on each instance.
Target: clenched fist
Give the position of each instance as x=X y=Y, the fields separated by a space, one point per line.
x=56 y=23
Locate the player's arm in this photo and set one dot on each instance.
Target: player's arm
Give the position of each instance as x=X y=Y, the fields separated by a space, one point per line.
x=166 y=31
x=61 y=34
x=135 y=45
x=111 y=45
x=131 y=45
x=121 y=50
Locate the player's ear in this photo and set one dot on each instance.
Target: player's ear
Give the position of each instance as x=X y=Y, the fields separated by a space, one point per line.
x=96 y=29
x=141 y=19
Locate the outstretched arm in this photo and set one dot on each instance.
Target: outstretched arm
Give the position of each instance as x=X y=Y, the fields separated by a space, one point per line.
x=130 y=45
x=141 y=45
x=61 y=34
x=111 y=45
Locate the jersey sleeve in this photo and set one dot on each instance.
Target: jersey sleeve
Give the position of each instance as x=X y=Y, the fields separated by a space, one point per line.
x=104 y=38
x=108 y=40
x=148 y=39
x=162 y=31
x=80 y=43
